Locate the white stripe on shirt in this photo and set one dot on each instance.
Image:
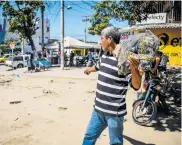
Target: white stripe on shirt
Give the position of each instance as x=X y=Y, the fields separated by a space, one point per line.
x=109 y=66
x=110 y=95
x=111 y=86
x=112 y=77
x=109 y=103
x=111 y=112
x=112 y=58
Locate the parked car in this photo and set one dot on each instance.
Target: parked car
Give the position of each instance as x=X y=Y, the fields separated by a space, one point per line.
x=19 y=61
x=4 y=57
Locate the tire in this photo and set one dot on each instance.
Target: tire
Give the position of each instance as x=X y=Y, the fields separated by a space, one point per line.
x=20 y=66
x=152 y=117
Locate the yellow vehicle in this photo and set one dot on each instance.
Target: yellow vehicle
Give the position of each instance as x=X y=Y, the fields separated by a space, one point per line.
x=4 y=57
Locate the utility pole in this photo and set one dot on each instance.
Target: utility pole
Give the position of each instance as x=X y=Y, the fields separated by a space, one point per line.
x=172 y=11
x=42 y=15
x=62 y=35
x=85 y=20
x=22 y=43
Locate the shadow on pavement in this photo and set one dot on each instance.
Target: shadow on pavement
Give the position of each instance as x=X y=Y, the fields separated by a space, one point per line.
x=169 y=122
x=135 y=142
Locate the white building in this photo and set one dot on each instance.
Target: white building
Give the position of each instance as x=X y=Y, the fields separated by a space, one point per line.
x=37 y=38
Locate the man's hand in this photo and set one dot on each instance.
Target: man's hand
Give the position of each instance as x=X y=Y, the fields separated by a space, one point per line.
x=87 y=71
x=134 y=65
x=133 y=62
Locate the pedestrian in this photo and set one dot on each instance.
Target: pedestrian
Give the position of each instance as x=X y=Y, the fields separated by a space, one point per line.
x=156 y=62
x=32 y=62
x=90 y=59
x=28 y=62
x=71 y=58
x=58 y=56
x=110 y=103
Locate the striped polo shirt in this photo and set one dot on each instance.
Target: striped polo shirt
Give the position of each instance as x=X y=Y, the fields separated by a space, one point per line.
x=111 y=87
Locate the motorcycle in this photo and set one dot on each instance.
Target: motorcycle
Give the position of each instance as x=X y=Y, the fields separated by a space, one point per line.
x=145 y=107
x=81 y=61
x=91 y=62
x=173 y=89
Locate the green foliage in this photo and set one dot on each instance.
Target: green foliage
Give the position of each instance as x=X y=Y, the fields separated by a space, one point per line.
x=5 y=45
x=22 y=17
x=105 y=11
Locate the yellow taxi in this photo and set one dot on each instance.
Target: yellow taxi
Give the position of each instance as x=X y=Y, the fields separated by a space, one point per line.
x=4 y=57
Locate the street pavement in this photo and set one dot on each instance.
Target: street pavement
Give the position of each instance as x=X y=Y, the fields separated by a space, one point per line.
x=61 y=101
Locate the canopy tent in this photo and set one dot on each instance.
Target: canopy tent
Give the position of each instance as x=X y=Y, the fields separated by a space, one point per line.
x=53 y=45
x=70 y=43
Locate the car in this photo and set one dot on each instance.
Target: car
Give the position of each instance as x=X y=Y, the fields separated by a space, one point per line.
x=18 y=61
x=4 y=57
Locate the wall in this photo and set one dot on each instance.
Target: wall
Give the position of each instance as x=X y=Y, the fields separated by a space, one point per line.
x=170 y=43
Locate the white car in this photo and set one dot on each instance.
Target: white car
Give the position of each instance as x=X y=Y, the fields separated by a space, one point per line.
x=18 y=61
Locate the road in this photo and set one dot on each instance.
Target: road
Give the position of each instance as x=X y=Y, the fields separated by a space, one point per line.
x=56 y=107
x=3 y=68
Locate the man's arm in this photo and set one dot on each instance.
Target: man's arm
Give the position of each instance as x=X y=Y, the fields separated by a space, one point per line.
x=88 y=70
x=156 y=64
x=136 y=77
x=95 y=68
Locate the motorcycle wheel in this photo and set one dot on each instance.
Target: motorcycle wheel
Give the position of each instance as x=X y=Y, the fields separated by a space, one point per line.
x=149 y=112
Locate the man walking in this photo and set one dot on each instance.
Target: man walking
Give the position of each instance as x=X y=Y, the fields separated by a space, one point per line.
x=110 y=105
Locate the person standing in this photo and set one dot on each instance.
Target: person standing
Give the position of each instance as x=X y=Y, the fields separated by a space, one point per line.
x=32 y=62
x=28 y=62
x=90 y=59
x=71 y=58
x=110 y=102
x=58 y=57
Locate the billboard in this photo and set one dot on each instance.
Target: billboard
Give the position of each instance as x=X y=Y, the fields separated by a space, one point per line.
x=158 y=18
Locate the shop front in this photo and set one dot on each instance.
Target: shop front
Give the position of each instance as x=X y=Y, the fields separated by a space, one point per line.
x=170 y=43
x=169 y=36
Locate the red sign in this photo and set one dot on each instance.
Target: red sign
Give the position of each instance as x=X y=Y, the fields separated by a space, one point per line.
x=123 y=37
x=12 y=45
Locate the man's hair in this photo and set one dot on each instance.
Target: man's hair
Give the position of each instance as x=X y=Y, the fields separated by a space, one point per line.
x=112 y=32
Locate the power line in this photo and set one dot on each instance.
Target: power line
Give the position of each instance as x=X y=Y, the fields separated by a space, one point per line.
x=57 y=12
x=77 y=10
x=86 y=3
x=78 y=6
x=95 y=2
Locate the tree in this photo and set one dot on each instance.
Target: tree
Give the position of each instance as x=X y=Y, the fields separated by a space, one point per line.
x=5 y=45
x=21 y=16
x=105 y=11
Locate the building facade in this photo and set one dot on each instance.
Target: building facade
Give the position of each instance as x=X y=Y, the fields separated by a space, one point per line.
x=37 y=38
x=164 y=22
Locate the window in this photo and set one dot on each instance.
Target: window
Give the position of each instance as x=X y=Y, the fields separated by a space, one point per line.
x=18 y=58
x=47 y=29
x=10 y=58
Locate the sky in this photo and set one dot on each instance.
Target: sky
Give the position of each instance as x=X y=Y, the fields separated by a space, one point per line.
x=74 y=26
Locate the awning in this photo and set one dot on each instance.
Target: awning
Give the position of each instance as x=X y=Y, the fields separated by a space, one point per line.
x=151 y=26
x=70 y=43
